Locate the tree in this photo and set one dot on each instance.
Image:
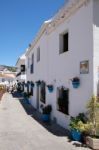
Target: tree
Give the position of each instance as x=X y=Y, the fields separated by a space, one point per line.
x=93 y=110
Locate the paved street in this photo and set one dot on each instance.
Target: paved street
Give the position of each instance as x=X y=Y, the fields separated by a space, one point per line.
x=20 y=131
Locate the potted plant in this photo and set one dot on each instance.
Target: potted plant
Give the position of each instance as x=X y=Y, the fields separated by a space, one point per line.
x=76 y=82
x=38 y=82
x=32 y=84
x=28 y=82
x=75 y=130
x=50 y=88
x=79 y=125
x=93 y=109
x=46 y=111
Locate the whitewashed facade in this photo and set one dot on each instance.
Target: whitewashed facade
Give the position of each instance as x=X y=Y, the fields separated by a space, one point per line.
x=79 y=19
x=21 y=72
x=7 y=77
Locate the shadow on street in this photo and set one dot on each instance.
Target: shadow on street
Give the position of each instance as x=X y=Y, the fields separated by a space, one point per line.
x=51 y=126
x=30 y=110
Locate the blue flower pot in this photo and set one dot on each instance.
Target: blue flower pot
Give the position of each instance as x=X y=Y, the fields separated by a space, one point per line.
x=26 y=101
x=50 y=89
x=76 y=135
x=76 y=84
x=45 y=117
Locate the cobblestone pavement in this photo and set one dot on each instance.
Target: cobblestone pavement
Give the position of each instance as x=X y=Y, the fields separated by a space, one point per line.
x=21 y=131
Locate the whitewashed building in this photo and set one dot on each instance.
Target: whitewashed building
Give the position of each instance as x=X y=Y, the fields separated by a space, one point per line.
x=67 y=46
x=7 y=77
x=21 y=69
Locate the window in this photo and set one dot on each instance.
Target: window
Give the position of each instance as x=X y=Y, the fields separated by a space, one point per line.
x=28 y=62
x=43 y=92
x=32 y=64
x=63 y=100
x=22 y=68
x=63 y=39
x=38 y=54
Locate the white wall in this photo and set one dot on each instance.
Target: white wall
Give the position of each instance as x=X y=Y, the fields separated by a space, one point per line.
x=59 y=69
x=40 y=68
x=96 y=45
x=65 y=66
x=21 y=77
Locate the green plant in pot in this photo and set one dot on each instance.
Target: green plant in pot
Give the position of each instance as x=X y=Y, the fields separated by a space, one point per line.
x=76 y=82
x=38 y=82
x=50 y=88
x=32 y=84
x=75 y=130
x=46 y=111
x=93 y=111
x=78 y=126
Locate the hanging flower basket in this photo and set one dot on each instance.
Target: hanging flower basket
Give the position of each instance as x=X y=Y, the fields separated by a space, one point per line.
x=76 y=82
x=32 y=84
x=38 y=82
x=28 y=82
x=50 y=88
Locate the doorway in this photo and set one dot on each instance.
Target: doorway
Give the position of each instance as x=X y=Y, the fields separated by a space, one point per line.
x=38 y=97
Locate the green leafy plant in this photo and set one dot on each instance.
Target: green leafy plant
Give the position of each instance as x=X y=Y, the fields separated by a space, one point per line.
x=50 y=86
x=32 y=84
x=93 y=111
x=80 y=123
x=38 y=82
x=75 y=82
x=75 y=124
x=76 y=79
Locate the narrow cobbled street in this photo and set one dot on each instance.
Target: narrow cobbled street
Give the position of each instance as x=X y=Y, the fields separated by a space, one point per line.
x=20 y=131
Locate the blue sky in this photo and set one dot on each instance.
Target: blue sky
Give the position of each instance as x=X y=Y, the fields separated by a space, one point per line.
x=20 y=20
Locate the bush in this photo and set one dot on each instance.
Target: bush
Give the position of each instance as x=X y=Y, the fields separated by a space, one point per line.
x=93 y=110
x=80 y=123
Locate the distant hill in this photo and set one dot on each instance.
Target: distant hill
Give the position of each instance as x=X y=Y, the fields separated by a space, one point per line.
x=10 y=68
